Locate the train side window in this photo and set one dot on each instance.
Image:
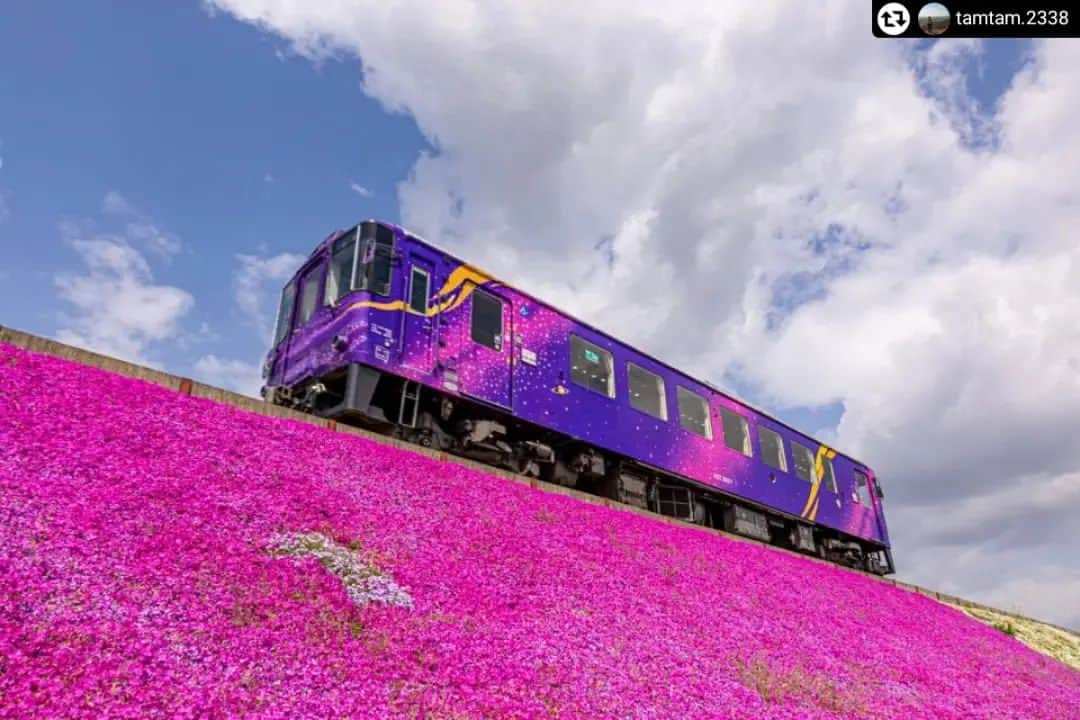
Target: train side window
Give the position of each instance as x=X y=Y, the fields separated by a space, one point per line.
x=736 y=431
x=693 y=412
x=828 y=476
x=487 y=320
x=309 y=297
x=339 y=277
x=591 y=366
x=419 y=281
x=646 y=391
x=772 y=448
x=862 y=488
x=285 y=309
x=804 y=461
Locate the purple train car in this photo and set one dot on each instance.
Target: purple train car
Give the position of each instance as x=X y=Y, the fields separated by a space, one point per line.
x=380 y=328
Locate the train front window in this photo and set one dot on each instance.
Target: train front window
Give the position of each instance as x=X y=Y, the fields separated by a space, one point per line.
x=342 y=261
x=591 y=366
x=804 y=461
x=288 y=297
x=309 y=297
x=693 y=412
x=374 y=271
x=361 y=259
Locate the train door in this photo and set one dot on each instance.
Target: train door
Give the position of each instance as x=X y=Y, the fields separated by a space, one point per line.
x=484 y=349
x=418 y=325
x=864 y=490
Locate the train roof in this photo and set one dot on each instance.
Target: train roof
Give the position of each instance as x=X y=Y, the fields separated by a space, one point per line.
x=334 y=235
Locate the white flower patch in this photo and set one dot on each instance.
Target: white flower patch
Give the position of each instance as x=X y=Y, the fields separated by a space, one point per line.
x=364 y=583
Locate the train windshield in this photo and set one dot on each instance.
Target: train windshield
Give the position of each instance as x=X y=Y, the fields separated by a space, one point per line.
x=361 y=259
x=288 y=298
x=342 y=259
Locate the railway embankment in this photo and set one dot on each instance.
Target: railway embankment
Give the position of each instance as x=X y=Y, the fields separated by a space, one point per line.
x=167 y=552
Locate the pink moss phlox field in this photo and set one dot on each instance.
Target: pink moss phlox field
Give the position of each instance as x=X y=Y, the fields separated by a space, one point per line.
x=135 y=582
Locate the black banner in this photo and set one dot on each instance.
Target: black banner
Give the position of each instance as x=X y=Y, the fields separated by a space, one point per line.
x=976 y=18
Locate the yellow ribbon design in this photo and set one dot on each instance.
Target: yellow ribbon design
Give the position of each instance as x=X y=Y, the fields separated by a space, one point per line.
x=813 y=502
x=443 y=301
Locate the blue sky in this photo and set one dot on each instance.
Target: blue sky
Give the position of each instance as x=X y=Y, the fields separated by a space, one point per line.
x=205 y=127
x=161 y=164
x=222 y=137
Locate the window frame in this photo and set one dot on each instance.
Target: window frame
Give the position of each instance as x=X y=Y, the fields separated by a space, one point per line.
x=795 y=463
x=709 y=434
x=725 y=413
x=415 y=270
x=663 y=416
x=612 y=386
x=478 y=291
x=780 y=446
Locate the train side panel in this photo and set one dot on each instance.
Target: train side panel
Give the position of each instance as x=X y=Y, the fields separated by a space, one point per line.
x=545 y=396
x=455 y=329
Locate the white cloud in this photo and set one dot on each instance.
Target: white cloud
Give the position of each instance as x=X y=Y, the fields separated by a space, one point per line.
x=116 y=204
x=257 y=286
x=117 y=309
x=140 y=227
x=827 y=218
x=235 y=375
x=360 y=190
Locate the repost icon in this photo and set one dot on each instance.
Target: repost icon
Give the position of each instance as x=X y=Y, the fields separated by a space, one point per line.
x=893 y=18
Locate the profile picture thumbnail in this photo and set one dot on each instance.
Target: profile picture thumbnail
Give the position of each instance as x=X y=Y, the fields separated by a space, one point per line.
x=934 y=18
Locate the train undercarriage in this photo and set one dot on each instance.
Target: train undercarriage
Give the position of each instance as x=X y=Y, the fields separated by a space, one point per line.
x=404 y=409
